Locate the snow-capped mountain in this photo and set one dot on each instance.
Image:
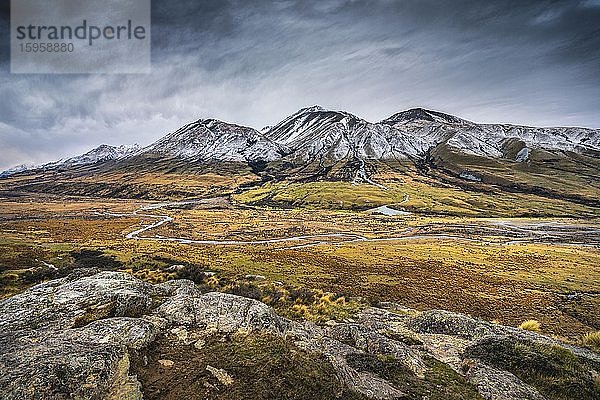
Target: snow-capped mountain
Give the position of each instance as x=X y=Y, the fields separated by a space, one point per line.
x=318 y=133
x=315 y=134
x=17 y=169
x=425 y=129
x=101 y=153
x=213 y=140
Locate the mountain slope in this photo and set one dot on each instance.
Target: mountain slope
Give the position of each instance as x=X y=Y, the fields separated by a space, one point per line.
x=431 y=128
x=100 y=154
x=316 y=134
x=213 y=140
x=315 y=144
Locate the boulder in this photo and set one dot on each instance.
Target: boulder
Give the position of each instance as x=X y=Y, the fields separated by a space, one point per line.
x=449 y=323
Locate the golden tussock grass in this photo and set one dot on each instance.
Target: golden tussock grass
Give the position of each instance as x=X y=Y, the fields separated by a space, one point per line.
x=531 y=325
x=592 y=339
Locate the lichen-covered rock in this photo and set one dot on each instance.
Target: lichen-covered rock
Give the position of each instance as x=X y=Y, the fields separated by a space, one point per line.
x=46 y=354
x=378 y=319
x=180 y=287
x=221 y=311
x=61 y=304
x=65 y=364
x=336 y=352
x=74 y=338
x=448 y=349
x=221 y=375
x=494 y=384
x=363 y=338
x=449 y=323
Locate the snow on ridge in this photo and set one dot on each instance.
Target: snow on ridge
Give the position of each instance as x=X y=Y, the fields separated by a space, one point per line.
x=212 y=139
x=315 y=132
x=101 y=153
x=16 y=169
x=522 y=155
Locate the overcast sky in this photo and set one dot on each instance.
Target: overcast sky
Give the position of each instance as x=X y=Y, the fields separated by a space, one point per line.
x=254 y=62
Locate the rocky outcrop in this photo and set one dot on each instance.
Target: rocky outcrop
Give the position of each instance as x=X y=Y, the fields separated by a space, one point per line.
x=47 y=355
x=222 y=312
x=74 y=338
x=65 y=303
x=500 y=385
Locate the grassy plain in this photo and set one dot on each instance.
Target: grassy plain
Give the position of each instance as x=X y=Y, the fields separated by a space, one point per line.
x=477 y=274
x=424 y=196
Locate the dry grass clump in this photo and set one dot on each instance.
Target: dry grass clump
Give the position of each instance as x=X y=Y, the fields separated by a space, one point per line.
x=530 y=325
x=151 y=275
x=592 y=339
x=293 y=302
x=325 y=306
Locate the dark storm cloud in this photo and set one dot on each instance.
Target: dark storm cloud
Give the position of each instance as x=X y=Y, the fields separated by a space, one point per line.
x=4 y=35
x=253 y=62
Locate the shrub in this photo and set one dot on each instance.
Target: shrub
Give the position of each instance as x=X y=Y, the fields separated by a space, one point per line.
x=86 y=258
x=272 y=295
x=193 y=273
x=554 y=370
x=152 y=275
x=592 y=339
x=37 y=275
x=301 y=296
x=302 y=311
x=530 y=325
x=246 y=289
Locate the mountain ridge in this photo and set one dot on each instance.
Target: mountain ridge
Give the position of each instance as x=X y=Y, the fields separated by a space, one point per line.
x=102 y=153
x=322 y=137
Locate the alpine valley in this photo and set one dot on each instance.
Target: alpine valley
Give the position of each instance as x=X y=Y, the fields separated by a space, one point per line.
x=423 y=256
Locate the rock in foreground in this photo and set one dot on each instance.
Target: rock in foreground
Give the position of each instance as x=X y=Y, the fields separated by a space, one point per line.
x=111 y=336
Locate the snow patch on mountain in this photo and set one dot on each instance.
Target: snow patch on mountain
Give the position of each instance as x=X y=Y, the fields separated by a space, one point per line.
x=315 y=133
x=522 y=155
x=101 y=153
x=17 y=169
x=469 y=176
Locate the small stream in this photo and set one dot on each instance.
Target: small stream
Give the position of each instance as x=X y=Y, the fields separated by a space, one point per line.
x=553 y=233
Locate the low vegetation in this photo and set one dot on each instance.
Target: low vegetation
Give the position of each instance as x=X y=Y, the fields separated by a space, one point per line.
x=440 y=382
x=555 y=371
x=261 y=368
x=505 y=283
x=592 y=340
x=424 y=196
x=530 y=325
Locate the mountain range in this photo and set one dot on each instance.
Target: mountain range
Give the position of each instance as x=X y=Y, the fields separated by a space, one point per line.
x=319 y=144
x=100 y=154
x=316 y=134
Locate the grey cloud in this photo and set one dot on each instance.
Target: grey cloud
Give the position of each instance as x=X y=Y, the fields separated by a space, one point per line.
x=254 y=62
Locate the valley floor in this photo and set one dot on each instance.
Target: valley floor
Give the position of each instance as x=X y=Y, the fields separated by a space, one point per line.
x=502 y=270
